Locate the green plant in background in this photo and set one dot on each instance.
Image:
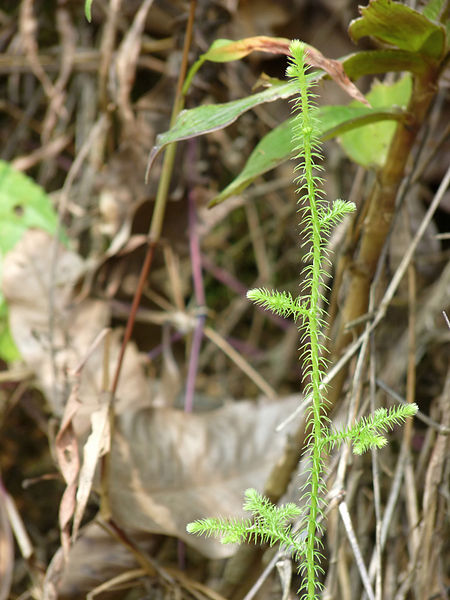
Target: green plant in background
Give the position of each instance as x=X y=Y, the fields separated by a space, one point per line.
x=418 y=45
x=23 y=205
x=270 y=524
x=88 y=9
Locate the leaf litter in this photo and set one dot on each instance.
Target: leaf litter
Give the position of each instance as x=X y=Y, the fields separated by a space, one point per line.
x=167 y=467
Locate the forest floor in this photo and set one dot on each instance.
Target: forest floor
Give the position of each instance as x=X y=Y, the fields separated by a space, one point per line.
x=95 y=495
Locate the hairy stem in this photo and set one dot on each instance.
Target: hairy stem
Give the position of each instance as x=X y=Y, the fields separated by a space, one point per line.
x=313 y=327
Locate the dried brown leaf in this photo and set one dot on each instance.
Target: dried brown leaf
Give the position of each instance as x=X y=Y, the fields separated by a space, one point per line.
x=94 y=558
x=126 y=62
x=169 y=468
x=54 y=337
x=97 y=444
x=66 y=450
x=336 y=71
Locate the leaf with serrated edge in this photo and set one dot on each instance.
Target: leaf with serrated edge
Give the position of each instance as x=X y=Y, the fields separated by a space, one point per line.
x=399 y=25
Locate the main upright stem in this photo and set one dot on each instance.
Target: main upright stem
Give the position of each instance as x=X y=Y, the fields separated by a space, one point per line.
x=313 y=327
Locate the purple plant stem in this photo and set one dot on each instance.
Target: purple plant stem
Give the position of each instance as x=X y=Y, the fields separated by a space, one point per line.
x=199 y=291
x=223 y=276
x=234 y=284
x=245 y=348
x=156 y=351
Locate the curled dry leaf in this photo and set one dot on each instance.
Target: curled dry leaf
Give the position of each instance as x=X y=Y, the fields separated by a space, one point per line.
x=226 y=50
x=66 y=450
x=169 y=468
x=97 y=444
x=54 y=335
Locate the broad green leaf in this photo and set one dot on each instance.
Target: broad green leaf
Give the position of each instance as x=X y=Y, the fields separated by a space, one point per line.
x=398 y=25
x=276 y=147
x=204 y=119
x=273 y=149
x=371 y=62
x=23 y=205
x=433 y=9
x=369 y=145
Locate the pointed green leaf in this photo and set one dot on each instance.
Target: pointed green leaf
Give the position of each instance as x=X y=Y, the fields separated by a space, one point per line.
x=276 y=147
x=227 y=50
x=23 y=204
x=433 y=9
x=369 y=145
x=371 y=62
x=398 y=25
x=204 y=119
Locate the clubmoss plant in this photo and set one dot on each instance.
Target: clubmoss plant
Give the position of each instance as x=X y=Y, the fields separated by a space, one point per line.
x=269 y=523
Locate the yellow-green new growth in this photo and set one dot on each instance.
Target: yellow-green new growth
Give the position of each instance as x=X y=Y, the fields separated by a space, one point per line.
x=270 y=524
x=317 y=217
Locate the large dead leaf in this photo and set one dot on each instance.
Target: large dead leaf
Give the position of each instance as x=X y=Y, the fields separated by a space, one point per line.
x=59 y=339
x=169 y=468
x=54 y=333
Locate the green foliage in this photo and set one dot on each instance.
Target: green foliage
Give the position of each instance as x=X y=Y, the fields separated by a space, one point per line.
x=365 y=434
x=399 y=25
x=280 y=303
x=369 y=145
x=277 y=145
x=411 y=42
x=316 y=216
x=204 y=119
x=87 y=9
x=270 y=524
x=23 y=205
